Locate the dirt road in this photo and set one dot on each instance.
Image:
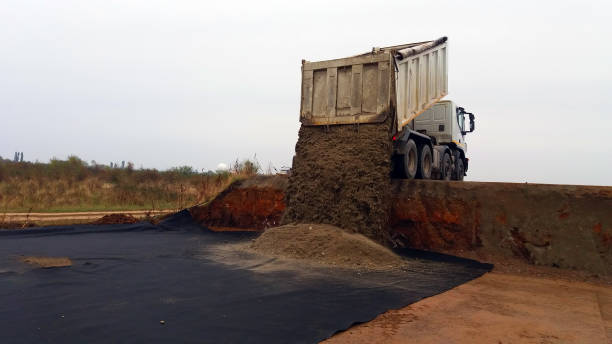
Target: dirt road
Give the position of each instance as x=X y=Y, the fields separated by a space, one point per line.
x=497 y=308
x=86 y=215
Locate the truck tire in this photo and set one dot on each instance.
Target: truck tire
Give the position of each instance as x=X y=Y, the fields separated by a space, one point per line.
x=411 y=159
x=425 y=163
x=460 y=170
x=456 y=157
x=446 y=167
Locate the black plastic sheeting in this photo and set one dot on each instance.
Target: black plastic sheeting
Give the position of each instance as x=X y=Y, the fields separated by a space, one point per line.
x=126 y=279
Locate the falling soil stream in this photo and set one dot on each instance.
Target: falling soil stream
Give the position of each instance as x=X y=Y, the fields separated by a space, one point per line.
x=340 y=176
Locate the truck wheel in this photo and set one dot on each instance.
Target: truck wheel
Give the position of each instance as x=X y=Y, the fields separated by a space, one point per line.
x=446 y=167
x=425 y=163
x=411 y=159
x=460 y=171
x=456 y=156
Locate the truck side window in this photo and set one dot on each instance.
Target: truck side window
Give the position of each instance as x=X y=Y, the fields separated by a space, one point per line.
x=461 y=120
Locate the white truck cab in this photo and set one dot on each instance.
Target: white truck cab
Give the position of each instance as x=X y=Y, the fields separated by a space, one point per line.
x=434 y=145
x=445 y=123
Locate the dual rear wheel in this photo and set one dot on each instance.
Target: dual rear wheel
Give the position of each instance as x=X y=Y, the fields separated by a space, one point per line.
x=416 y=162
x=450 y=170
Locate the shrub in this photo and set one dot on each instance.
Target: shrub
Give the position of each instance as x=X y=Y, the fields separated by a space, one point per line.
x=246 y=167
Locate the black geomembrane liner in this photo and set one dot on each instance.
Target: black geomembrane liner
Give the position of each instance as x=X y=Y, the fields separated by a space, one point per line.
x=125 y=279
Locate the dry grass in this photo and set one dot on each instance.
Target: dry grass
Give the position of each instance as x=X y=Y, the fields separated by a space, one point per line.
x=73 y=185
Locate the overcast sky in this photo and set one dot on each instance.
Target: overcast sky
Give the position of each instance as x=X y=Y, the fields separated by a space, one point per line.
x=168 y=83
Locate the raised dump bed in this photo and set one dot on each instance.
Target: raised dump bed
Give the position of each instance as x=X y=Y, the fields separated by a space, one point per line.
x=403 y=80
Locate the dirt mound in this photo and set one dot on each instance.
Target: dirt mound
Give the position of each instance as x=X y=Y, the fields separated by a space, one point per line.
x=47 y=262
x=326 y=244
x=16 y=225
x=341 y=176
x=113 y=219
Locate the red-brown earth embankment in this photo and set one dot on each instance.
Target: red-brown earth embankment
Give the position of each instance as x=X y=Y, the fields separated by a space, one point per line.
x=568 y=226
x=252 y=204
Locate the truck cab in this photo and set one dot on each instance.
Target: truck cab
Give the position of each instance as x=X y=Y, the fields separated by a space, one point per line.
x=433 y=146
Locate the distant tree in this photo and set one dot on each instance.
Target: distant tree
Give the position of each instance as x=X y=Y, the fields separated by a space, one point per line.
x=21 y=158
x=123 y=164
x=16 y=157
x=76 y=161
x=246 y=167
x=184 y=170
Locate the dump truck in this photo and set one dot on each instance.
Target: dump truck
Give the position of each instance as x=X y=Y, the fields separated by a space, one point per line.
x=403 y=83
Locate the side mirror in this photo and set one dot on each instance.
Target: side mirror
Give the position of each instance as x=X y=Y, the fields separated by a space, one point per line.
x=472 y=124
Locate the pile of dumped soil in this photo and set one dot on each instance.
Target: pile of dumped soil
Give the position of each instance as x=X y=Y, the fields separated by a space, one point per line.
x=326 y=244
x=16 y=225
x=341 y=176
x=113 y=219
x=47 y=262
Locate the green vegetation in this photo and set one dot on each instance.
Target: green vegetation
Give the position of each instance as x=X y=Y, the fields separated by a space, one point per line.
x=74 y=185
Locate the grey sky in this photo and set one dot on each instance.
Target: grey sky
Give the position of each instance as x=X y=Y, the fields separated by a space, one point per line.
x=167 y=83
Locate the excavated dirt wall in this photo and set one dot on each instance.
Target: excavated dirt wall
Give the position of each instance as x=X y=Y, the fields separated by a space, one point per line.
x=567 y=226
x=253 y=204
